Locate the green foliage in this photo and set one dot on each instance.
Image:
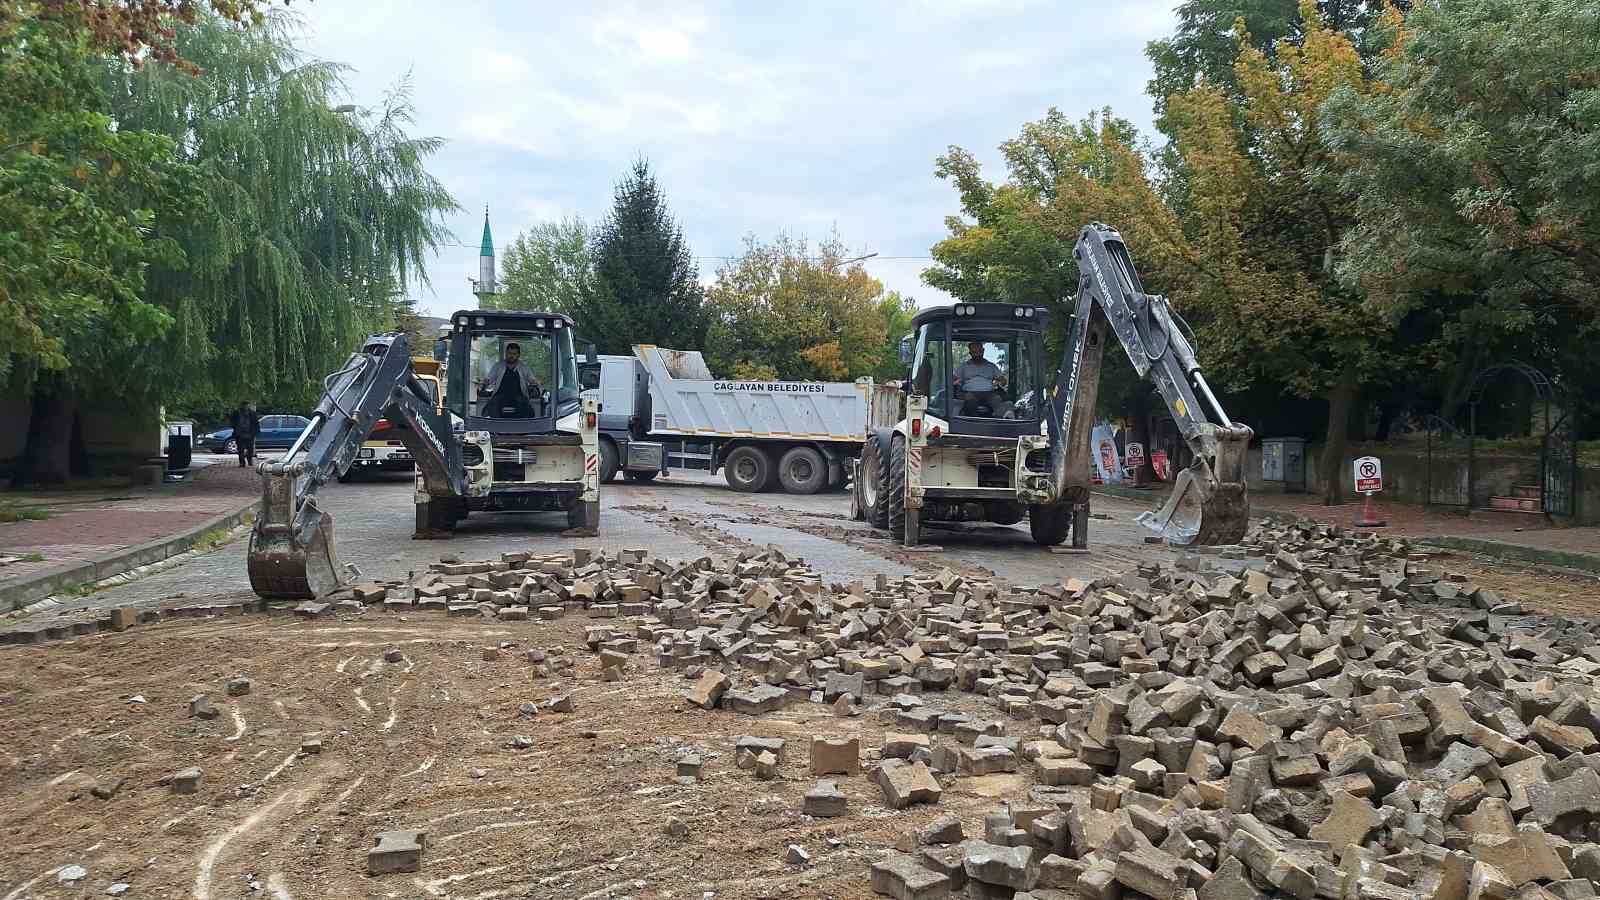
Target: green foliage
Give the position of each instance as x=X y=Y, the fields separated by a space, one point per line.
x=779 y=311
x=1475 y=178
x=79 y=194
x=646 y=288
x=316 y=219
x=548 y=268
x=12 y=511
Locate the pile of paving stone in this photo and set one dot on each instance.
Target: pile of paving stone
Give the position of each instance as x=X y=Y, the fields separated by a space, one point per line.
x=1332 y=719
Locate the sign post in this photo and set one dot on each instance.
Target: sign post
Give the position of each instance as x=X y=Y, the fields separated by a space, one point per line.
x=1368 y=471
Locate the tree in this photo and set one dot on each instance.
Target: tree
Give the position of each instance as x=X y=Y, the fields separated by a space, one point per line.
x=780 y=312
x=79 y=195
x=646 y=287
x=548 y=269
x=1474 y=179
x=1268 y=216
x=318 y=215
x=896 y=312
x=135 y=31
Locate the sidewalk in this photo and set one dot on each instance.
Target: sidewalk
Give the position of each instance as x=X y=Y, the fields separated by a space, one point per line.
x=96 y=534
x=1525 y=538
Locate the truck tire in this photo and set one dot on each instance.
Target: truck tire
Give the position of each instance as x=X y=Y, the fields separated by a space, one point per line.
x=610 y=462
x=1050 y=524
x=802 y=470
x=875 y=481
x=895 y=497
x=747 y=469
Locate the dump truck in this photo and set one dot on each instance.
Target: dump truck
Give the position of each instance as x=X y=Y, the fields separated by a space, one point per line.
x=514 y=435
x=797 y=436
x=979 y=433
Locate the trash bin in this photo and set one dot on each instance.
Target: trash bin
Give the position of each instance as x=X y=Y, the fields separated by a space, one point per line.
x=180 y=446
x=1283 y=464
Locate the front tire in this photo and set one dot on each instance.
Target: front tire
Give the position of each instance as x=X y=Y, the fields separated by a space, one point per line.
x=609 y=462
x=747 y=470
x=875 y=482
x=1050 y=524
x=802 y=470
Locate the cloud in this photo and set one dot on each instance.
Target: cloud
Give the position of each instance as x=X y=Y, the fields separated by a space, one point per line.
x=803 y=118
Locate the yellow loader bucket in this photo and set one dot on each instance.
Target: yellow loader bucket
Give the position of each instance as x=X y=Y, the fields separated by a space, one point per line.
x=1208 y=505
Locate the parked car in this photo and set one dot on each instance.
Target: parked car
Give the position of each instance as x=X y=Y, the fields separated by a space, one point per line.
x=277 y=433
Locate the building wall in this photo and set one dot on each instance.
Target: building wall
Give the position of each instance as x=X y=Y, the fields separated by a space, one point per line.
x=117 y=439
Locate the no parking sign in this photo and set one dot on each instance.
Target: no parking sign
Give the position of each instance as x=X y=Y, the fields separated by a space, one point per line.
x=1368 y=475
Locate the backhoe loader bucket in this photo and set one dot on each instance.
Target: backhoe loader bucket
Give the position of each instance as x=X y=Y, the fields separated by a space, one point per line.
x=1208 y=505
x=291 y=551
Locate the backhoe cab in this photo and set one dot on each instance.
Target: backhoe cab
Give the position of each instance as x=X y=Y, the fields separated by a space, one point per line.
x=514 y=434
x=981 y=436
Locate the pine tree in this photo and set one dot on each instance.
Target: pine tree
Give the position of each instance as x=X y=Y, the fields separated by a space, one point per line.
x=646 y=288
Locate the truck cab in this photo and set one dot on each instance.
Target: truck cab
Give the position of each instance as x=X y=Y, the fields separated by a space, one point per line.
x=383 y=451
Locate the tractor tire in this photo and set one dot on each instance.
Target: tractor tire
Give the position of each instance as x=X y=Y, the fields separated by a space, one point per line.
x=641 y=477
x=802 y=470
x=748 y=470
x=895 y=497
x=609 y=461
x=875 y=482
x=1050 y=524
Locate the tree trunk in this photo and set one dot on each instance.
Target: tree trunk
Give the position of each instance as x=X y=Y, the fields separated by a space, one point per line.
x=47 y=457
x=1386 y=416
x=1340 y=398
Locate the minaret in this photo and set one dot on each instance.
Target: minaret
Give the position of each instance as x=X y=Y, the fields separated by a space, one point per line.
x=485 y=287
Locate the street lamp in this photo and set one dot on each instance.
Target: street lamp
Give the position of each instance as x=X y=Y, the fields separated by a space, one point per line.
x=846 y=262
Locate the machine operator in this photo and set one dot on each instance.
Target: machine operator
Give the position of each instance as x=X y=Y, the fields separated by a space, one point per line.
x=510 y=387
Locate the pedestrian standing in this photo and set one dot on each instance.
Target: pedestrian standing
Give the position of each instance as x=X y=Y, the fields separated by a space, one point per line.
x=246 y=425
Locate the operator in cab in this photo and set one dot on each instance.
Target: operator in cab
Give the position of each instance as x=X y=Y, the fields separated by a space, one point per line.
x=980 y=385
x=510 y=389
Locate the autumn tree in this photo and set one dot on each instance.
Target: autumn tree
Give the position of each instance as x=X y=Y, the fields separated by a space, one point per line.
x=782 y=310
x=1473 y=177
x=548 y=268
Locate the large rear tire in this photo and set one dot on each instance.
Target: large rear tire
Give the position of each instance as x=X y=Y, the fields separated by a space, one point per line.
x=748 y=470
x=802 y=470
x=895 y=497
x=1050 y=524
x=875 y=482
x=610 y=462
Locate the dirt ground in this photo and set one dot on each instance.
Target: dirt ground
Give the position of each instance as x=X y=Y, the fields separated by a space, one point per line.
x=579 y=814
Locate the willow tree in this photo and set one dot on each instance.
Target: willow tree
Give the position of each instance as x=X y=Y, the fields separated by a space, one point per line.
x=318 y=216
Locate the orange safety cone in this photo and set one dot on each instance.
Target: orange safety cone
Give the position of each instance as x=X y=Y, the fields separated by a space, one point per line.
x=1367 y=516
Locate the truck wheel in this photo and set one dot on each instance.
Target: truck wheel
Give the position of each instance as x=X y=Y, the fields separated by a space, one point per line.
x=875 y=482
x=609 y=462
x=1050 y=524
x=895 y=497
x=802 y=470
x=747 y=469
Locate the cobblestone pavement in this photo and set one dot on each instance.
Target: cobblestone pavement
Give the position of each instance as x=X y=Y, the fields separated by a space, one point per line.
x=681 y=517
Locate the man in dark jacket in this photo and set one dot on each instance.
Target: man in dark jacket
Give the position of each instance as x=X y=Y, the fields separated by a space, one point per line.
x=246 y=425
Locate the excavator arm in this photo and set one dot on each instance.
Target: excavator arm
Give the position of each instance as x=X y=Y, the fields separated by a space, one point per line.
x=291 y=546
x=1209 y=502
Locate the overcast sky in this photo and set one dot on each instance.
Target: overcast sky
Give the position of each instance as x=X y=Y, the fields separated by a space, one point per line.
x=757 y=118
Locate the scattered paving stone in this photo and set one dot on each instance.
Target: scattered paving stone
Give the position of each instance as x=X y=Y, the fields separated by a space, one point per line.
x=393 y=655
x=238 y=687
x=561 y=704
x=200 y=708
x=186 y=781
x=675 y=828
x=311 y=744
x=72 y=874
x=835 y=756
x=900 y=876
x=396 y=851
x=825 y=801
x=904 y=784
x=797 y=855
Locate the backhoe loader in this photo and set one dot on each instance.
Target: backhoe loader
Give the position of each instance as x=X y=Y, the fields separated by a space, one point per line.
x=514 y=434
x=975 y=434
